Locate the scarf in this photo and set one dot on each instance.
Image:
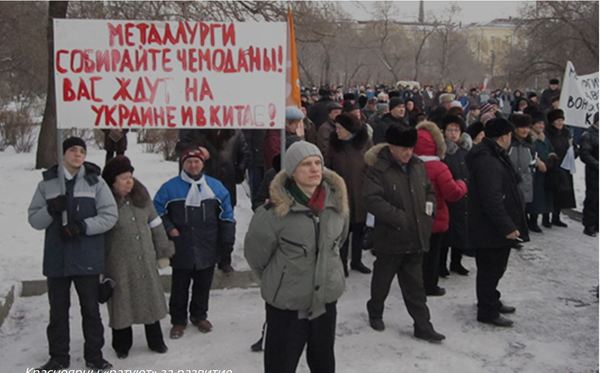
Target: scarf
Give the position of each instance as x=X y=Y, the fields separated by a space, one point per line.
x=199 y=190
x=315 y=203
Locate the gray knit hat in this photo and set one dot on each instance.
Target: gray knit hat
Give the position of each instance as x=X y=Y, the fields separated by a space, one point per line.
x=296 y=154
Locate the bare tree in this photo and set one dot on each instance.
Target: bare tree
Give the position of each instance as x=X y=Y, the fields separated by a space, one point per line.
x=46 y=150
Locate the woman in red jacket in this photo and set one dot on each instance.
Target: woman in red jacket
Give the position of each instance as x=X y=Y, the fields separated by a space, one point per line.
x=431 y=149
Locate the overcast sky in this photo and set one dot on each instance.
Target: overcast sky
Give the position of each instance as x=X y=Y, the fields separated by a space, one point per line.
x=471 y=11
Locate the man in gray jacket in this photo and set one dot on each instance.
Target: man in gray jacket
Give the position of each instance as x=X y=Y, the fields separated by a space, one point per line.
x=398 y=193
x=73 y=253
x=293 y=244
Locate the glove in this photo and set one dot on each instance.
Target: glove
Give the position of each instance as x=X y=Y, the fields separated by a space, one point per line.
x=57 y=205
x=72 y=230
x=163 y=263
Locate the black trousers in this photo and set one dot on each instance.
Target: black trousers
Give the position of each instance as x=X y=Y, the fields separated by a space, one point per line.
x=431 y=262
x=455 y=256
x=59 y=297
x=408 y=269
x=356 y=232
x=590 y=203
x=491 y=265
x=225 y=257
x=287 y=335
x=180 y=290
x=122 y=339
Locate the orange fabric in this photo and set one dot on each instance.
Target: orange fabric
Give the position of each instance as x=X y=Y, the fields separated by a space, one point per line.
x=293 y=77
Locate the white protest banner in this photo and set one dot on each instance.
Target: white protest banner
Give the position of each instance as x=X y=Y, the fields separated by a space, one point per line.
x=579 y=97
x=154 y=74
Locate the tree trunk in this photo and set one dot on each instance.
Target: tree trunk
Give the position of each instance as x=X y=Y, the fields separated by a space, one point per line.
x=46 y=150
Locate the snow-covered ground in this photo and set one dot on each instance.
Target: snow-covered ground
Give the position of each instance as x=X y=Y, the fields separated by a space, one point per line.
x=551 y=281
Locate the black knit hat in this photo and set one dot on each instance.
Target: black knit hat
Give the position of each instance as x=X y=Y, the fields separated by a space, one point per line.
x=475 y=129
x=554 y=115
x=73 y=141
x=395 y=101
x=497 y=127
x=520 y=120
x=349 y=122
x=448 y=119
x=554 y=81
x=400 y=135
x=115 y=167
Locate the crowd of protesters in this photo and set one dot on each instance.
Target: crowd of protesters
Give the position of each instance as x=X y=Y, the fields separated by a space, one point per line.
x=411 y=174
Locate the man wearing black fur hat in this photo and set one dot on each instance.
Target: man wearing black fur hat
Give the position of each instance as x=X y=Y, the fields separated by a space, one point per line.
x=396 y=115
x=398 y=193
x=496 y=217
x=74 y=253
x=319 y=111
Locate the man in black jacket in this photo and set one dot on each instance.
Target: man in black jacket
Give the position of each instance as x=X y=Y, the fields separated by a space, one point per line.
x=496 y=217
x=589 y=155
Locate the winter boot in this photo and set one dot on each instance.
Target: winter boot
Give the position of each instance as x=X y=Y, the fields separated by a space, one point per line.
x=532 y=223
x=590 y=231
x=546 y=221
x=53 y=365
x=458 y=268
x=429 y=335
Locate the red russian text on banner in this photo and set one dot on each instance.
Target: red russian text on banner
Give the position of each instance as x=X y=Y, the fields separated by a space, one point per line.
x=155 y=74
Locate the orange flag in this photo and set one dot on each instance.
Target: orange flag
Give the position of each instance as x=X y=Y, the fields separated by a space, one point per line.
x=293 y=78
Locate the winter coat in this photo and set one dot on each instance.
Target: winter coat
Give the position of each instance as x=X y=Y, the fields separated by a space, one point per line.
x=346 y=158
x=273 y=144
x=296 y=253
x=397 y=197
x=133 y=246
x=381 y=124
x=495 y=204
x=588 y=149
x=431 y=149
x=589 y=155
x=324 y=135
x=119 y=146
x=521 y=155
x=319 y=111
x=255 y=140
x=231 y=160
x=456 y=159
x=89 y=200
x=546 y=99
x=204 y=229
x=310 y=131
x=542 y=202
x=560 y=179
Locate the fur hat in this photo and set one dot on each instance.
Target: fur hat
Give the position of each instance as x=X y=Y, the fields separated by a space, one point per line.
x=333 y=106
x=537 y=117
x=475 y=129
x=293 y=113
x=349 y=122
x=73 y=141
x=349 y=106
x=400 y=135
x=497 y=127
x=520 y=120
x=296 y=154
x=448 y=119
x=395 y=101
x=115 y=167
x=554 y=115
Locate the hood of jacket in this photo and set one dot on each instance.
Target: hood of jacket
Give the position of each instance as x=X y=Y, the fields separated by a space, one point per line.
x=430 y=140
x=88 y=170
x=464 y=142
x=337 y=195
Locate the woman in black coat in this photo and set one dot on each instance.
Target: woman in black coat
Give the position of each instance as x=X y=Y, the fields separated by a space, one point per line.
x=560 y=179
x=458 y=144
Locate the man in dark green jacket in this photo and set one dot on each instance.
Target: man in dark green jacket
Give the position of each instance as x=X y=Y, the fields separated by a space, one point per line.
x=399 y=195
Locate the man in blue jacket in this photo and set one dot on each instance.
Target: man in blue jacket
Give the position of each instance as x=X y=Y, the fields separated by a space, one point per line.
x=197 y=213
x=74 y=253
